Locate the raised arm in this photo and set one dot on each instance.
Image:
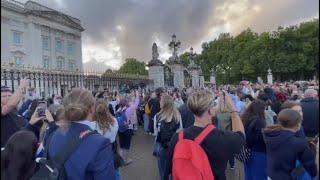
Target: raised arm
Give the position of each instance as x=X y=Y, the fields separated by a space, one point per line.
x=15 y=98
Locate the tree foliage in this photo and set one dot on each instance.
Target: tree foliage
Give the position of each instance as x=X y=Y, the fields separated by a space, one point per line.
x=133 y=66
x=291 y=53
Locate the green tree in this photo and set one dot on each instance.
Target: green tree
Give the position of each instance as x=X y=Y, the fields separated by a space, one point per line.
x=291 y=53
x=133 y=66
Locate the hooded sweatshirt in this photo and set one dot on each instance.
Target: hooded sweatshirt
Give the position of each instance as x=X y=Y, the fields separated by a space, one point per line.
x=284 y=148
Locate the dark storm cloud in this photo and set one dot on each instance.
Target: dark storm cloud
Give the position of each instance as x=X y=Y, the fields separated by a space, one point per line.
x=144 y=20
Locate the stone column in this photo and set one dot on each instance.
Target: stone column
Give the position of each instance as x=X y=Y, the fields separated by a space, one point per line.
x=178 y=76
x=213 y=79
x=270 y=77
x=195 y=78
x=201 y=81
x=156 y=73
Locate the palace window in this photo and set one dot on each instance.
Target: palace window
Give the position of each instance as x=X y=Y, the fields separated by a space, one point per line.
x=18 y=60
x=60 y=64
x=70 y=48
x=46 y=62
x=59 y=45
x=17 y=37
x=45 y=42
x=72 y=65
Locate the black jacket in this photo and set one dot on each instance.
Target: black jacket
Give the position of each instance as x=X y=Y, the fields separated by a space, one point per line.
x=284 y=148
x=254 y=136
x=154 y=104
x=310 y=123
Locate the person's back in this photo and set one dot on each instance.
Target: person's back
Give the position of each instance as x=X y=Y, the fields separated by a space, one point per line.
x=93 y=158
x=283 y=150
x=219 y=145
x=310 y=109
x=284 y=147
x=154 y=104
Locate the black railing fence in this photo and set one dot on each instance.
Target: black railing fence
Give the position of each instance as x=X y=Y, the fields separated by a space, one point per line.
x=48 y=82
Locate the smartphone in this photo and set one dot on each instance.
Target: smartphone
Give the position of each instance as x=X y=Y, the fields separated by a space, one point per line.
x=42 y=106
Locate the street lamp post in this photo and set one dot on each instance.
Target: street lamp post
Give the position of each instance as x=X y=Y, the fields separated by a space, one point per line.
x=174 y=44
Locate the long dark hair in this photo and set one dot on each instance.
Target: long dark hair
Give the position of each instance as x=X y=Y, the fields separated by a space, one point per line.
x=255 y=110
x=18 y=157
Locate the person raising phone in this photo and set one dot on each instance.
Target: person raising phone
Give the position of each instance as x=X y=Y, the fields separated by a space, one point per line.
x=219 y=145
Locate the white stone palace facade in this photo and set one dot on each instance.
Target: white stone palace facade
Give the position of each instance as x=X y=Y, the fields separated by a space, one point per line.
x=37 y=36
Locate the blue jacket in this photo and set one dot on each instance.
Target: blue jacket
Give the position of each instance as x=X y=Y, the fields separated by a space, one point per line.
x=92 y=160
x=284 y=148
x=310 y=123
x=24 y=107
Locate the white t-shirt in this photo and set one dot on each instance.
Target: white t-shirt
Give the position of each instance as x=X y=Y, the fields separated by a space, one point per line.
x=111 y=133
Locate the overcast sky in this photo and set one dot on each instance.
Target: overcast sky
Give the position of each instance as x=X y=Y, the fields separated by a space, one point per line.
x=117 y=29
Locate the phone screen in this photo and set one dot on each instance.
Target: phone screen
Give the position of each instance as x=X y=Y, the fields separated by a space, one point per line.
x=42 y=106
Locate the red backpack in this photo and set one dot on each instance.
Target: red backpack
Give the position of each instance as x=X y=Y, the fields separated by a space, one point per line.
x=190 y=161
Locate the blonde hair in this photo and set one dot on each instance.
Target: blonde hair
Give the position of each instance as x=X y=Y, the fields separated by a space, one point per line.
x=103 y=116
x=77 y=104
x=199 y=102
x=168 y=110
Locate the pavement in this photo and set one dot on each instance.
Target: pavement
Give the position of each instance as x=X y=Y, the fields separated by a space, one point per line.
x=145 y=167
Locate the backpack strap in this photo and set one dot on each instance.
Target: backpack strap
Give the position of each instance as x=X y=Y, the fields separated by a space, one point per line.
x=72 y=144
x=204 y=134
x=180 y=135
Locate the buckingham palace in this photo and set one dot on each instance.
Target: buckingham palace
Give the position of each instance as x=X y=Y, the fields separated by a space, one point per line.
x=45 y=45
x=35 y=35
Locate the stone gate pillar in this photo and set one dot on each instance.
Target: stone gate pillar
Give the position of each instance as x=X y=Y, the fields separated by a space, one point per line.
x=270 y=77
x=178 y=76
x=156 y=73
x=156 y=69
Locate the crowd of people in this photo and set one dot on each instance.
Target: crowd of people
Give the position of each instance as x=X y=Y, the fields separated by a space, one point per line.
x=198 y=132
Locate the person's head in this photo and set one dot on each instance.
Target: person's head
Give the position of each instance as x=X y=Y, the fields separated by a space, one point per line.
x=103 y=116
x=49 y=101
x=57 y=100
x=281 y=97
x=159 y=92
x=270 y=93
x=254 y=110
x=79 y=105
x=18 y=157
x=189 y=91
x=59 y=115
x=31 y=94
x=292 y=105
x=201 y=104
x=6 y=93
x=123 y=102
x=168 y=110
x=153 y=95
x=311 y=93
x=262 y=96
x=290 y=119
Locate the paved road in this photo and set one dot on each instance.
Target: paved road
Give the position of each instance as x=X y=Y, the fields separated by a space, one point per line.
x=144 y=165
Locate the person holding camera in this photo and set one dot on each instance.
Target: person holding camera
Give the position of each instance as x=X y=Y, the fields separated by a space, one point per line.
x=11 y=122
x=219 y=145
